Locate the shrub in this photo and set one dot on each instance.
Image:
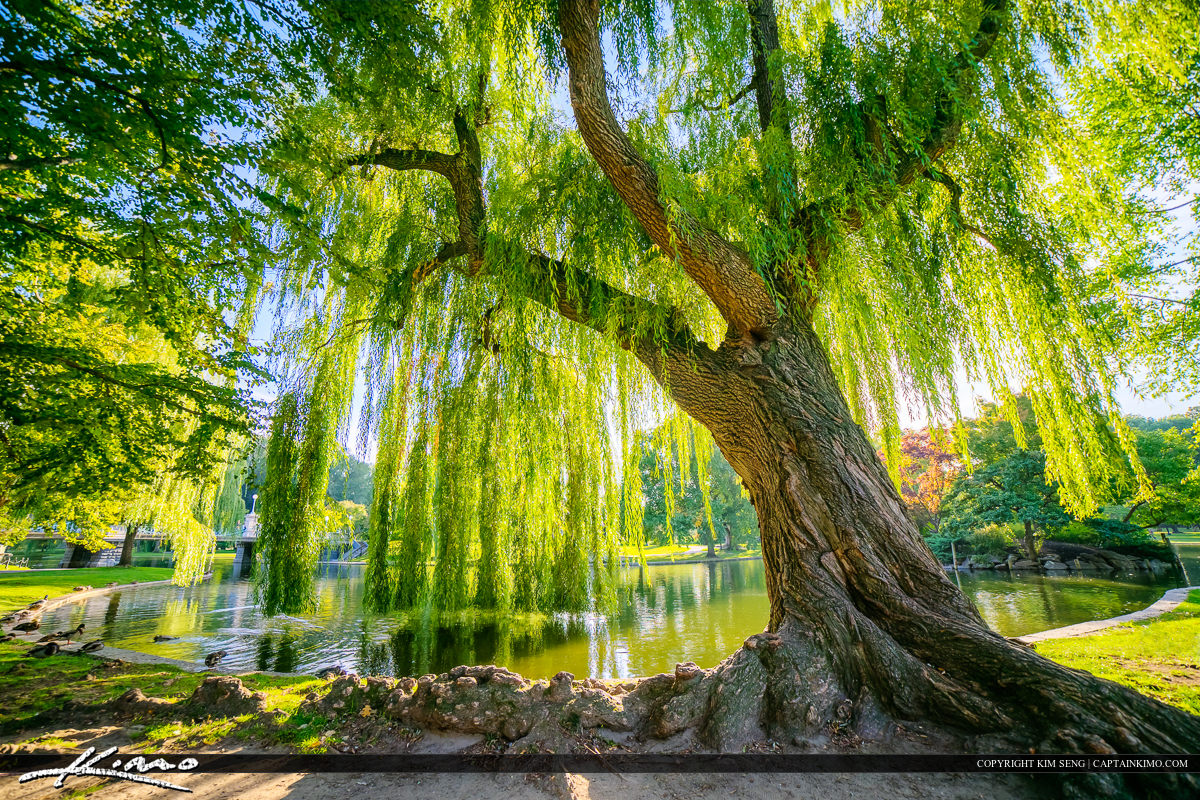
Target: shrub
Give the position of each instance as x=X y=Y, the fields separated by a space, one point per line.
x=939 y=543
x=1078 y=533
x=1099 y=532
x=992 y=540
x=1114 y=532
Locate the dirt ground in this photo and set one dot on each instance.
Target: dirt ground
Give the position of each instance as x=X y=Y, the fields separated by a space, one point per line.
x=592 y=786
x=635 y=786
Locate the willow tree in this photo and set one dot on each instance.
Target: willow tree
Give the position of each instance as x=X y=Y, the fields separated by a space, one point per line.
x=538 y=227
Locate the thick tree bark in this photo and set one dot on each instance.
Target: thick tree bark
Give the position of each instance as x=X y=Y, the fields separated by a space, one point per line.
x=869 y=628
x=131 y=532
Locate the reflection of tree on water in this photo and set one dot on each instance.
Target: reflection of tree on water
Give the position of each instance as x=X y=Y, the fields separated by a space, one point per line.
x=1018 y=604
x=276 y=656
x=428 y=642
x=110 y=613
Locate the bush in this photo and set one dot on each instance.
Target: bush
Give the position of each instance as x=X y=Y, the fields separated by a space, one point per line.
x=1078 y=533
x=1098 y=532
x=939 y=543
x=1115 y=533
x=992 y=540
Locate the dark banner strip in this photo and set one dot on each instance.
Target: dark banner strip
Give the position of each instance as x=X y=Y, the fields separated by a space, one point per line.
x=177 y=763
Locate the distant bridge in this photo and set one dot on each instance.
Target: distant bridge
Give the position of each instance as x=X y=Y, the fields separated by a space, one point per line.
x=117 y=535
x=77 y=556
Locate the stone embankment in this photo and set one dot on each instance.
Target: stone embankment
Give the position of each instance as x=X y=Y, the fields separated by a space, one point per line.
x=1061 y=557
x=527 y=715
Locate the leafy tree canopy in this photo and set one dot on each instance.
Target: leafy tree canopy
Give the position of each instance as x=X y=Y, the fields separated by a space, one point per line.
x=1012 y=490
x=129 y=241
x=456 y=239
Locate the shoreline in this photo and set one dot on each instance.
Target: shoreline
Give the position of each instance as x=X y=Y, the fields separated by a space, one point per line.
x=54 y=603
x=107 y=652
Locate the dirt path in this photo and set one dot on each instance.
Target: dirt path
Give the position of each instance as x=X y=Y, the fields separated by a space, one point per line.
x=1168 y=602
x=633 y=786
x=518 y=786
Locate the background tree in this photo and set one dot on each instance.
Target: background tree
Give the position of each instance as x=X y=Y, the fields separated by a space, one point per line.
x=1171 y=457
x=710 y=507
x=126 y=223
x=731 y=509
x=1011 y=490
x=928 y=467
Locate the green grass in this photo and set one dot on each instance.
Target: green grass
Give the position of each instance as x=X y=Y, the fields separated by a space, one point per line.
x=677 y=552
x=29 y=687
x=665 y=551
x=21 y=587
x=1158 y=657
x=722 y=555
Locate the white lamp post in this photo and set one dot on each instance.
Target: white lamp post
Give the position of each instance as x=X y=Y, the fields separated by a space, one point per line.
x=253 y=503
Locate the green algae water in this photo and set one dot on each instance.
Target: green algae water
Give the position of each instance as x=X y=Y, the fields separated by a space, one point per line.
x=670 y=613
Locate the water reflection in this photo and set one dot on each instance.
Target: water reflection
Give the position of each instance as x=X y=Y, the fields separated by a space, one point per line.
x=693 y=612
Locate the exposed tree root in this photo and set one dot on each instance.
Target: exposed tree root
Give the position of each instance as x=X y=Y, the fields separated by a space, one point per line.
x=773 y=689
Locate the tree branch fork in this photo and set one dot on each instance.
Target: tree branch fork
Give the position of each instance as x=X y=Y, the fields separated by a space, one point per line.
x=752 y=301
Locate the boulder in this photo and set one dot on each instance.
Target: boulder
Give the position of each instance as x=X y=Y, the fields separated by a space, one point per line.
x=561 y=687
x=1055 y=565
x=135 y=701
x=224 y=695
x=1025 y=564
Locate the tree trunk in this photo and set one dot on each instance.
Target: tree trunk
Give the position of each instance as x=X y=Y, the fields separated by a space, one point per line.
x=1030 y=544
x=131 y=532
x=865 y=627
x=728 y=536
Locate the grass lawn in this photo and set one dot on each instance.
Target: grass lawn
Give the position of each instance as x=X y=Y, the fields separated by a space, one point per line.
x=21 y=587
x=1159 y=657
x=666 y=551
x=679 y=552
x=29 y=687
x=725 y=554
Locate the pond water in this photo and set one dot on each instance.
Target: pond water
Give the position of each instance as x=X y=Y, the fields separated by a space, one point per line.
x=672 y=613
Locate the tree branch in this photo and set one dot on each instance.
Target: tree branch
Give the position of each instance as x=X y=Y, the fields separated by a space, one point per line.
x=947 y=124
x=656 y=335
x=956 y=193
x=404 y=160
x=723 y=271
x=774 y=111
x=769 y=89
x=725 y=106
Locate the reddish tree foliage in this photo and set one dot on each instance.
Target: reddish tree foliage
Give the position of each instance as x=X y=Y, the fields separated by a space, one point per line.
x=928 y=468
